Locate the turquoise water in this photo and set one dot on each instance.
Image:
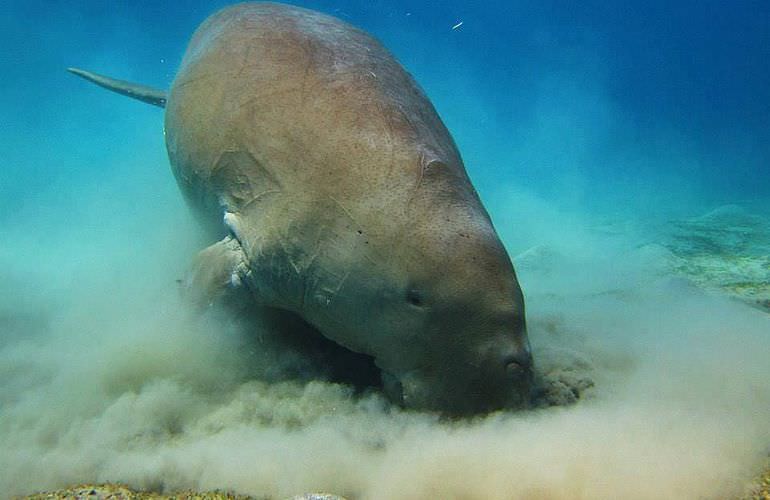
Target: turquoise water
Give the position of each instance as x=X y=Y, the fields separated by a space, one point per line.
x=622 y=151
x=644 y=99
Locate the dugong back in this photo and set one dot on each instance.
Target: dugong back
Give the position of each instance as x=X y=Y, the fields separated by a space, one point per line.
x=277 y=99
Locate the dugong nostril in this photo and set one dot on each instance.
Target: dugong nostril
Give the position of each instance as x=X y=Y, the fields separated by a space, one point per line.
x=515 y=370
x=517 y=364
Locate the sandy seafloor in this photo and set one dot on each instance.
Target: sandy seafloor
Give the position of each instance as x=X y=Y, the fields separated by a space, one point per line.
x=657 y=343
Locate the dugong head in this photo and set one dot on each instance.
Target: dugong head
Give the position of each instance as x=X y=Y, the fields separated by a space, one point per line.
x=440 y=310
x=468 y=338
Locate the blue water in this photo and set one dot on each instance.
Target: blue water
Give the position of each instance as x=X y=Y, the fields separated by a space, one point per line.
x=569 y=116
x=638 y=103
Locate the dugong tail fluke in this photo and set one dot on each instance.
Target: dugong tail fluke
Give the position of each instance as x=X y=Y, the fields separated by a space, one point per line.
x=149 y=95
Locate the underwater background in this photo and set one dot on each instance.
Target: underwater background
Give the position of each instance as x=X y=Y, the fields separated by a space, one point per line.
x=623 y=152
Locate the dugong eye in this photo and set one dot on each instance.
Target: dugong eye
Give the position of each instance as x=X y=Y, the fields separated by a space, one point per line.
x=414 y=297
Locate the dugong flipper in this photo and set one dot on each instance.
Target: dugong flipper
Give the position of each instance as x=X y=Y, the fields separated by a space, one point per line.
x=343 y=201
x=217 y=269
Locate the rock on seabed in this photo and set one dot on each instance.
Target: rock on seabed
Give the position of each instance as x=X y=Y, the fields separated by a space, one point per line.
x=726 y=250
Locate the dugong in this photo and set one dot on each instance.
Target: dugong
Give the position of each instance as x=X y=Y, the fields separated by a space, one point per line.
x=337 y=195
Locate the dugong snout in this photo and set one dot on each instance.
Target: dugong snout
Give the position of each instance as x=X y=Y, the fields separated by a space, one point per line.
x=506 y=387
x=467 y=381
x=507 y=378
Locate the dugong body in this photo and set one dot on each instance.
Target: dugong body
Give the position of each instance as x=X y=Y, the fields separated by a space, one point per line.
x=341 y=197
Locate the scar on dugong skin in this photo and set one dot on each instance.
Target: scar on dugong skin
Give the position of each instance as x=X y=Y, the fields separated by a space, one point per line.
x=341 y=198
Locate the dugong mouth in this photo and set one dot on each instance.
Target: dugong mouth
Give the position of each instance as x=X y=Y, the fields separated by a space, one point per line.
x=325 y=359
x=392 y=387
x=477 y=397
x=411 y=392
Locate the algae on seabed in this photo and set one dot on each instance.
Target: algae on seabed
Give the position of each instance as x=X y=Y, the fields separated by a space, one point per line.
x=121 y=492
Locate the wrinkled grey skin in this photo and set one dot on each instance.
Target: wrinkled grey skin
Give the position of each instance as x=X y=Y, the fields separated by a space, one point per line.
x=345 y=201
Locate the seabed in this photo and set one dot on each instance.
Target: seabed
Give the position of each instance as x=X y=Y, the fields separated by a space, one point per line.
x=724 y=251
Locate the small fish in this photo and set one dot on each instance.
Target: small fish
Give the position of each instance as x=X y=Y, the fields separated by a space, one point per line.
x=457 y=25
